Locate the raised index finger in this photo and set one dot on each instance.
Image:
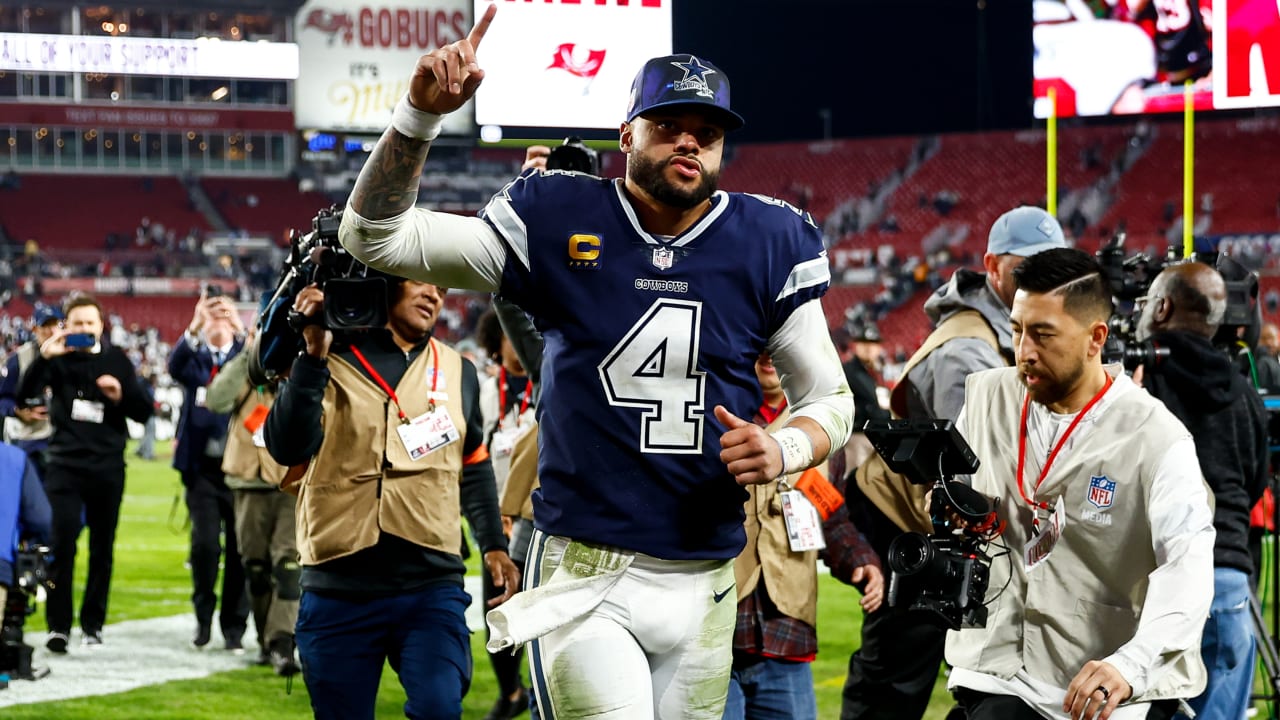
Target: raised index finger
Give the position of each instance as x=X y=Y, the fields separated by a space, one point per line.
x=482 y=27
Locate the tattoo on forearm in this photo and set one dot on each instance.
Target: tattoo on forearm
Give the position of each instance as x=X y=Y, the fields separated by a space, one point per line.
x=388 y=183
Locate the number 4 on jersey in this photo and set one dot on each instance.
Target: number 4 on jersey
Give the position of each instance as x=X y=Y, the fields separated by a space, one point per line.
x=654 y=367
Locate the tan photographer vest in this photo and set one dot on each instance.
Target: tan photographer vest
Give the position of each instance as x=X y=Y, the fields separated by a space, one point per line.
x=363 y=482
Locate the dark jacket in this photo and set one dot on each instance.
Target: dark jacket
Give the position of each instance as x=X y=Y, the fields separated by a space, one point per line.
x=193 y=368
x=1200 y=385
x=77 y=443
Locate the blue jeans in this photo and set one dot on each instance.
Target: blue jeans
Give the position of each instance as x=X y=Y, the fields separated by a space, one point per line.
x=771 y=690
x=1228 y=649
x=344 y=643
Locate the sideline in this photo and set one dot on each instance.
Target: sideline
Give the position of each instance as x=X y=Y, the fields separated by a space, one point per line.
x=138 y=653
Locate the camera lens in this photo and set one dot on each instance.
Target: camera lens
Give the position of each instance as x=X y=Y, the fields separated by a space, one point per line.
x=354 y=304
x=910 y=553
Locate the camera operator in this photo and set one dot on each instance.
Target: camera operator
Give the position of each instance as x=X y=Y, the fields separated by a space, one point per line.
x=1201 y=387
x=214 y=336
x=892 y=674
x=24 y=514
x=390 y=422
x=95 y=387
x=265 y=526
x=26 y=420
x=1103 y=594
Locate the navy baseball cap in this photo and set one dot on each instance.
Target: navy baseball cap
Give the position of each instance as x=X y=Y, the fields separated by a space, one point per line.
x=682 y=79
x=1025 y=231
x=46 y=314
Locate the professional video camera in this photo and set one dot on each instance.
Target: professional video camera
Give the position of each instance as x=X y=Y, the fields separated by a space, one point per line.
x=31 y=572
x=574 y=155
x=1131 y=277
x=946 y=572
x=355 y=296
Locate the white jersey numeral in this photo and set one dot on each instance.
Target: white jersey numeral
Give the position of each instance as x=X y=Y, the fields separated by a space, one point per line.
x=654 y=367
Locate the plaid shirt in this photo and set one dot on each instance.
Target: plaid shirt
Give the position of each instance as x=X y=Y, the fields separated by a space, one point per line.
x=762 y=629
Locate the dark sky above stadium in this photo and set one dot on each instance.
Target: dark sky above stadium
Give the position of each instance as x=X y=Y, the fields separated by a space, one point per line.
x=880 y=67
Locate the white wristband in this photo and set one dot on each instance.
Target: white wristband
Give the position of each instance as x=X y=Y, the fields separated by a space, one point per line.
x=797 y=449
x=412 y=122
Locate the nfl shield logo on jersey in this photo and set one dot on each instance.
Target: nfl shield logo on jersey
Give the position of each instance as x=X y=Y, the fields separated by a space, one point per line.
x=663 y=258
x=1102 y=491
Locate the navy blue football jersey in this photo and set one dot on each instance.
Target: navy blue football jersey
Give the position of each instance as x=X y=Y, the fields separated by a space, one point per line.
x=644 y=337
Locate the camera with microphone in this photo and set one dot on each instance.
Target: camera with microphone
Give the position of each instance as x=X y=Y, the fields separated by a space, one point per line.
x=945 y=573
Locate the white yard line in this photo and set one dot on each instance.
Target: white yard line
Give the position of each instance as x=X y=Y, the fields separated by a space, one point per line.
x=144 y=652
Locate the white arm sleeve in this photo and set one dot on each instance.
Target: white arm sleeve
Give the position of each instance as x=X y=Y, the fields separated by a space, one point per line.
x=1180 y=589
x=811 y=374
x=452 y=251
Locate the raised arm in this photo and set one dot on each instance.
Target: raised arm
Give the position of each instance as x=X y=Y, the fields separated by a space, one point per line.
x=381 y=227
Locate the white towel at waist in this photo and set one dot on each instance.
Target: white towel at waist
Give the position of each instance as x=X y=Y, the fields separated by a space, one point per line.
x=584 y=576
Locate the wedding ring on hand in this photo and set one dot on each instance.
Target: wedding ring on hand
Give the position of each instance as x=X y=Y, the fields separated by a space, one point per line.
x=1106 y=694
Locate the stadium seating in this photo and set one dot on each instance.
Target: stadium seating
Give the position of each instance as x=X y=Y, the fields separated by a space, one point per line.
x=264 y=206
x=79 y=211
x=1227 y=165
x=828 y=171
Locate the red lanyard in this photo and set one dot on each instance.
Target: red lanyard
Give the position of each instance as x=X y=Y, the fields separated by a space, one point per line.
x=769 y=414
x=435 y=376
x=502 y=397
x=1022 y=443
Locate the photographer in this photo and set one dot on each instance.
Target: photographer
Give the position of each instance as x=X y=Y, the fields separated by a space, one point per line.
x=1201 y=386
x=390 y=423
x=892 y=674
x=26 y=419
x=1103 y=594
x=95 y=388
x=214 y=337
x=24 y=514
x=265 y=526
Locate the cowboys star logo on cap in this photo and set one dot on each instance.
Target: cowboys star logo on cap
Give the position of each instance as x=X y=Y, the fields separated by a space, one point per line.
x=682 y=81
x=695 y=77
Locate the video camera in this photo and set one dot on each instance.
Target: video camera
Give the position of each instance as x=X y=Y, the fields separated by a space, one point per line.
x=946 y=572
x=1130 y=278
x=31 y=572
x=575 y=156
x=355 y=296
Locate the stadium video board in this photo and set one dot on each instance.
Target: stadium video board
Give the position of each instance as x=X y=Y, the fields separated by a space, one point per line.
x=357 y=55
x=1107 y=57
x=567 y=63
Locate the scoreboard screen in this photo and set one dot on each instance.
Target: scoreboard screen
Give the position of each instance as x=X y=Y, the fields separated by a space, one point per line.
x=1105 y=57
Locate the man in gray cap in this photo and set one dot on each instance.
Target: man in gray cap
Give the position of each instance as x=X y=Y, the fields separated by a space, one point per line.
x=892 y=674
x=26 y=420
x=656 y=292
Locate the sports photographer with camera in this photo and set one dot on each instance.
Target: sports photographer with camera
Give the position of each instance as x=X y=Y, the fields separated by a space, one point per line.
x=95 y=388
x=214 y=337
x=1200 y=385
x=1097 y=610
x=389 y=420
x=893 y=671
